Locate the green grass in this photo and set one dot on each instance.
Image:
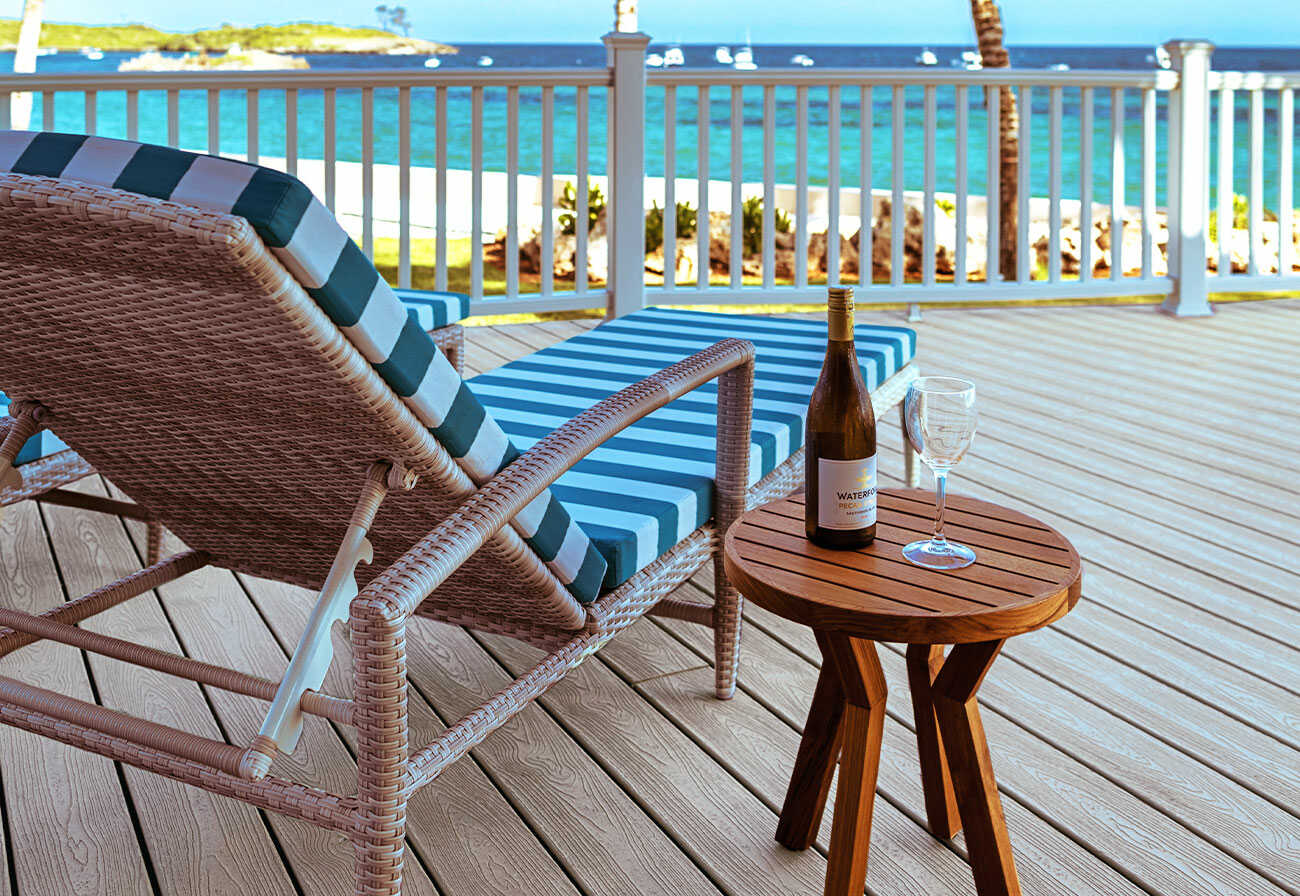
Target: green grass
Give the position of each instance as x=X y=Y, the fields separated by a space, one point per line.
x=298 y=37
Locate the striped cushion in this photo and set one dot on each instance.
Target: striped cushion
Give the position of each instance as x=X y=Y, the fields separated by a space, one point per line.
x=433 y=310
x=307 y=239
x=646 y=489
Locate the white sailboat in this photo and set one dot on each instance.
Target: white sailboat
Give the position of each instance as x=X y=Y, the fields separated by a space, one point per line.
x=722 y=56
x=674 y=56
x=802 y=59
x=743 y=58
x=432 y=62
x=927 y=57
x=485 y=61
x=654 y=60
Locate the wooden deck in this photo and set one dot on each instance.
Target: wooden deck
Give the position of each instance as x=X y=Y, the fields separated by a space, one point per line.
x=1147 y=744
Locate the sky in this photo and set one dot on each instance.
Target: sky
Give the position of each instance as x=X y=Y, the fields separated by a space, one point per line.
x=1145 y=22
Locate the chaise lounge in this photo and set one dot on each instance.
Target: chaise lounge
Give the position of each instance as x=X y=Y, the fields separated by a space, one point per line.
x=255 y=386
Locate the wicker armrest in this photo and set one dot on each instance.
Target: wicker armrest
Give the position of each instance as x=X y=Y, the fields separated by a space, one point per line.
x=398 y=590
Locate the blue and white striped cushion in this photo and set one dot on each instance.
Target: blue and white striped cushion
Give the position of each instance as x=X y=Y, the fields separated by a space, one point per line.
x=43 y=444
x=646 y=489
x=307 y=239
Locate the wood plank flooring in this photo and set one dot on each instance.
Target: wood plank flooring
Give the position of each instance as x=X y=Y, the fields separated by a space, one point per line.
x=1149 y=743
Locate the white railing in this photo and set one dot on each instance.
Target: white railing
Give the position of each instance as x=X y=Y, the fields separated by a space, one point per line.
x=452 y=141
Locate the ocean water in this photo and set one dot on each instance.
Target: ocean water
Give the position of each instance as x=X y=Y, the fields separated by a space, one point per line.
x=70 y=115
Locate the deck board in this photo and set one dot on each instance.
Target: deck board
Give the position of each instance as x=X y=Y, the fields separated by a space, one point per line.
x=1147 y=743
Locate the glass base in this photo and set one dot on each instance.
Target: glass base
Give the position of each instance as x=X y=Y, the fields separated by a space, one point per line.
x=939 y=554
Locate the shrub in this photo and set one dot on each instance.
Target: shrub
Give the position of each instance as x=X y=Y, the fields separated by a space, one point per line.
x=1240 y=215
x=654 y=224
x=947 y=206
x=569 y=202
x=752 y=224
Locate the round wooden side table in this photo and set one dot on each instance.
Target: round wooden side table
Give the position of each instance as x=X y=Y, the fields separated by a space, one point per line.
x=1026 y=575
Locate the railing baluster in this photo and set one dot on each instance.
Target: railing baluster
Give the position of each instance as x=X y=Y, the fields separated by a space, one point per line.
x=1255 y=218
x=331 y=147
x=962 y=100
x=702 y=183
x=1054 y=185
x=1148 y=181
x=512 y=190
x=801 y=235
x=736 y=262
x=1286 y=175
x=580 y=191
x=866 y=197
x=897 y=211
x=1085 y=182
x=928 y=206
x=1024 y=251
x=548 y=190
x=47 y=110
x=440 y=188
x=133 y=115
x=1224 y=223
x=90 y=112
x=214 y=122
x=670 y=187
x=368 y=172
x=291 y=132
x=1117 y=210
x=833 y=185
x=769 y=187
x=993 y=195
x=173 y=118
x=253 y=153
x=404 y=187
x=476 y=192
x=6 y=111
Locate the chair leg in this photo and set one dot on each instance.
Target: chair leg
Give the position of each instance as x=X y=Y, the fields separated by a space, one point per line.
x=727 y=606
x=911 y=469
x=153 y=552
x=378 y=865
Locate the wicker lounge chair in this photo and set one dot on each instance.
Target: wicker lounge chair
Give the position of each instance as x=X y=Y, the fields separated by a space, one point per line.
x=257 y=389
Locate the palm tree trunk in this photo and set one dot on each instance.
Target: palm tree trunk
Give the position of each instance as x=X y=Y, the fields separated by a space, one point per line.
x=993 y=54
x=29 y=38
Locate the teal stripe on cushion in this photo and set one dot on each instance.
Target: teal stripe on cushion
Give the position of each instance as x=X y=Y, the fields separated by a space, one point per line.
x=590 y=577
x=550 y=534
x=154 y=171
x=405 y=368
x=435 y=309
x=461 y=424
x=48 y=154
x=347 y=292
x=274 y=203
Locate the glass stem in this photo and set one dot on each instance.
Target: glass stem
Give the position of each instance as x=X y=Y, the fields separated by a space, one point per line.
x=940 y=499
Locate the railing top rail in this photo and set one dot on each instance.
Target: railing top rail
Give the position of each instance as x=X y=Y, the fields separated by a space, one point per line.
x=1160 y=79
x=289 y=80
x=1254 y=80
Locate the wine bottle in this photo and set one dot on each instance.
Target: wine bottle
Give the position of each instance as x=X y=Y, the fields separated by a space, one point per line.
x=840 y=441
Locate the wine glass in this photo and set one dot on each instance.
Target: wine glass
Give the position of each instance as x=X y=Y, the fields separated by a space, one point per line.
x=941 y=420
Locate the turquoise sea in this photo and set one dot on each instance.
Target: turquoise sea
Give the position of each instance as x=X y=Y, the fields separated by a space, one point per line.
x=70 y=115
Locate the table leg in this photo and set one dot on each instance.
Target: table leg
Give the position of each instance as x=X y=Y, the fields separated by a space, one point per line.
x=923 y=663
x=814 y=766
x=968 y=758
x=861 y=731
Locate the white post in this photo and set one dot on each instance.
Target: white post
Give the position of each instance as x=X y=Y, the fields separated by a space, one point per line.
x=1189 y=178
x=625 y=214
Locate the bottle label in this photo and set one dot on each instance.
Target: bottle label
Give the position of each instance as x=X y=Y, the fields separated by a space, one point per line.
x=846 y=493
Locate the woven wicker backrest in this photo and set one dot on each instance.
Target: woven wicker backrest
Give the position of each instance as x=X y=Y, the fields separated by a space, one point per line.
x=182 y=359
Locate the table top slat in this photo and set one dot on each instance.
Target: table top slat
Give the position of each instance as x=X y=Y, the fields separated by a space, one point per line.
x=1026 y=573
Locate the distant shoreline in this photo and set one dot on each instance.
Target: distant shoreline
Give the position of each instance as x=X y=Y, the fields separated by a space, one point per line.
x=302 y=37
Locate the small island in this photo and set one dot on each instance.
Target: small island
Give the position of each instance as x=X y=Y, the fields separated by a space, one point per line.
x=298 y=37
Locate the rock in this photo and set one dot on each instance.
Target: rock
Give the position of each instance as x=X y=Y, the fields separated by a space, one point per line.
x=817 y=253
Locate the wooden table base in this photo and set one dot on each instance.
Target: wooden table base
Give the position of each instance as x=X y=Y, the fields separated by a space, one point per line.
x=846 y=721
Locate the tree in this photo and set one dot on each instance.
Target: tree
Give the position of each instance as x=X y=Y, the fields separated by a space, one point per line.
x=383 y=12
x=397 y=18
x=29 y=38
x=993 y=54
